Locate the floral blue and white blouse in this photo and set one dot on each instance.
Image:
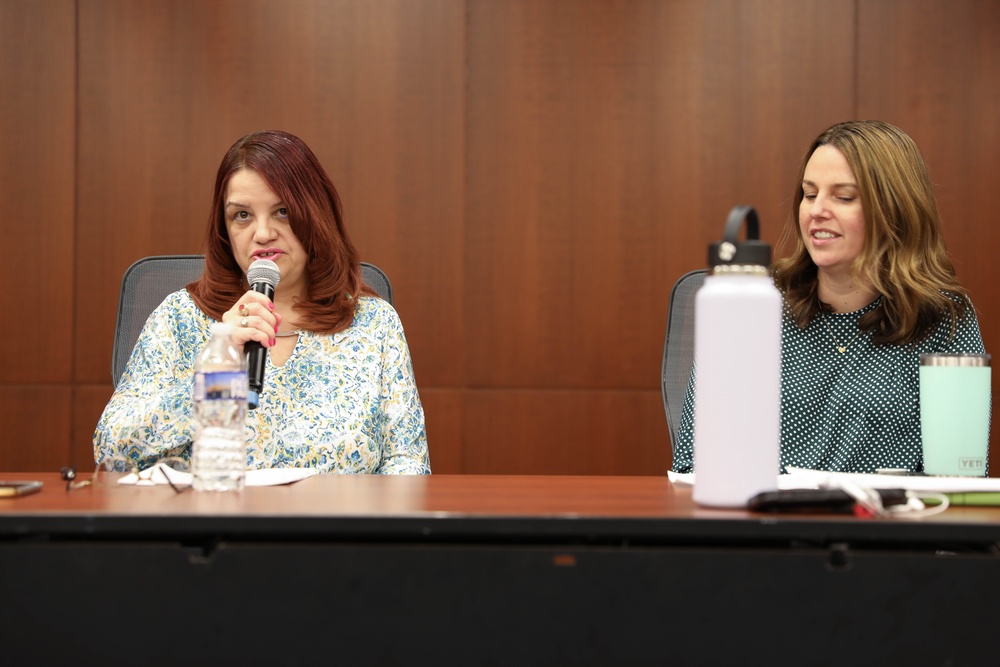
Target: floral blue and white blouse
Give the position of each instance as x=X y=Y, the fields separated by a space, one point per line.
x=345 y=403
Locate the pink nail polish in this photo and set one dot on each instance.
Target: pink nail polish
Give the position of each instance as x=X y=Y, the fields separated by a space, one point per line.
x=273 y=341
x=270 y=306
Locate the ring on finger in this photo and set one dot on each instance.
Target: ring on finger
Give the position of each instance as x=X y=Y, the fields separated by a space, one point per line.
x=244 y=322
x=244 y=311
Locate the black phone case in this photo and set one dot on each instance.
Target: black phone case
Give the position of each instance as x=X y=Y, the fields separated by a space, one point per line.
x=817 y=500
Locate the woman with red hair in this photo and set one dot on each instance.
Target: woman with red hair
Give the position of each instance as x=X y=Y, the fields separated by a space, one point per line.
x=340 y=394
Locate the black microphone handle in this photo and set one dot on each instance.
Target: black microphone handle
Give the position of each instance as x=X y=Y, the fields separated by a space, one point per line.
x=257 y=353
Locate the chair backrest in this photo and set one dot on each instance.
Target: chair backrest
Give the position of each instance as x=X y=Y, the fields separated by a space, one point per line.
x=375 y=278
x=678 y=347
x=151 y=279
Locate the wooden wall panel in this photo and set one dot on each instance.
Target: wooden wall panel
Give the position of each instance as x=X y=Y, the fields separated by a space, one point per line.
x=374 y=88
x=36 y=427
x=933 y=69
x=443 y=414
x=532 y=174
x=149 y=143
x=565 y=432
x=607 y=141
x=37 y=112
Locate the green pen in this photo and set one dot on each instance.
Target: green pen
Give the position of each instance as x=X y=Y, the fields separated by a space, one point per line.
x=966 y=498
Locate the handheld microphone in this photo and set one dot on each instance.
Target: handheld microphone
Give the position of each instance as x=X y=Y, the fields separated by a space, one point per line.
x=263 y=276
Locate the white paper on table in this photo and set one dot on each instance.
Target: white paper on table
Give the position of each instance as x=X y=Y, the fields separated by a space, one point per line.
x=155 y=476
x=781 y=481
x=804 y=478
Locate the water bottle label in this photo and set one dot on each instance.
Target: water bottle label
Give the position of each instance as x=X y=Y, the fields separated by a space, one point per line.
x=220 y=386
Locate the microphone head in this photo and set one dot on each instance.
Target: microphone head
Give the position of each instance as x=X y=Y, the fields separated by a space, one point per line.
x=263 y=271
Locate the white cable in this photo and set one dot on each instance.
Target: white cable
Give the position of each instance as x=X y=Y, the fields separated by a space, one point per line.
x=911 y=510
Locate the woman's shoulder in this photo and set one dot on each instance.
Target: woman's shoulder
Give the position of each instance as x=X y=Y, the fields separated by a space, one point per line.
x=373 y=310
x=179 y=299
x=178 y=311
x=376 y=320
x=956 y=328
x=965 y=311
x=957 y=297
x=179 y=304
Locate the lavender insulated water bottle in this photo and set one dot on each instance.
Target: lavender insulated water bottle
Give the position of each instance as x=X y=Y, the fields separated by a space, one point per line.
x=737 y=411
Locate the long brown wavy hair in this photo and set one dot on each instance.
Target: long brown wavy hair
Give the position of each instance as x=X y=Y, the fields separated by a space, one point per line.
x=295 y=175
x=904 y=257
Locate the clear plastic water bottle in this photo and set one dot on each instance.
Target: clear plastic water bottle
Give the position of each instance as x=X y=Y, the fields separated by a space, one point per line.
x=219 y=455
x=737 y=349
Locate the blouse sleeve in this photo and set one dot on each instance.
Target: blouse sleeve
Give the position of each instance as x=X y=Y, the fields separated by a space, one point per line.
x=683 y=449
x=149 y=416
x=967 y=339
x=403 y=433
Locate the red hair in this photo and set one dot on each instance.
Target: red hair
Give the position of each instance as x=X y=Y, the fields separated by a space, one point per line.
x=293 y=173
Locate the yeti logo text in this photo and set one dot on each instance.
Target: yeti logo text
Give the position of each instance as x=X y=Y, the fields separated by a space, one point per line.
x=971 y=464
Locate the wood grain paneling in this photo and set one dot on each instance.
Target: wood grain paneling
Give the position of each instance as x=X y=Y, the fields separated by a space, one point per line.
x=149 y=144
x=443 y=415
x=565 y=432
x=37 y=114
x=35 y=423
x=532 y=174
x=374 y=88
x=933 y=69
x=607 y=142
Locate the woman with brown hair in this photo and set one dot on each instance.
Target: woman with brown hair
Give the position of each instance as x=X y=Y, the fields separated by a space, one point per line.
x=340 y=394
x=868 y=287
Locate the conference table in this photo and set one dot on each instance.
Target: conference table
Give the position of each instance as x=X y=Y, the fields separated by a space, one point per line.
x=483 y=570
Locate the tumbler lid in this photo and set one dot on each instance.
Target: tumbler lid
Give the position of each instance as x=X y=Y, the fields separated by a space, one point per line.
x=953 y=359
x=731 y=251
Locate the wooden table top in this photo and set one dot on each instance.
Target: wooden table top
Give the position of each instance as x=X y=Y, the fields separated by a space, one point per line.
x=506 y=507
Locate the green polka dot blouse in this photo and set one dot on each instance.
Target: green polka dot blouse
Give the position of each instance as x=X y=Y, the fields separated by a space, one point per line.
x=851 y=411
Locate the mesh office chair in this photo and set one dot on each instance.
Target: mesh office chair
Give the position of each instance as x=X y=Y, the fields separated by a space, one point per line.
x=678 y=347
x=148 y=281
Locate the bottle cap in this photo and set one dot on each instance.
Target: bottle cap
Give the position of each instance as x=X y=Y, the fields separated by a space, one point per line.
x=222 y=329
x=731 y=251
